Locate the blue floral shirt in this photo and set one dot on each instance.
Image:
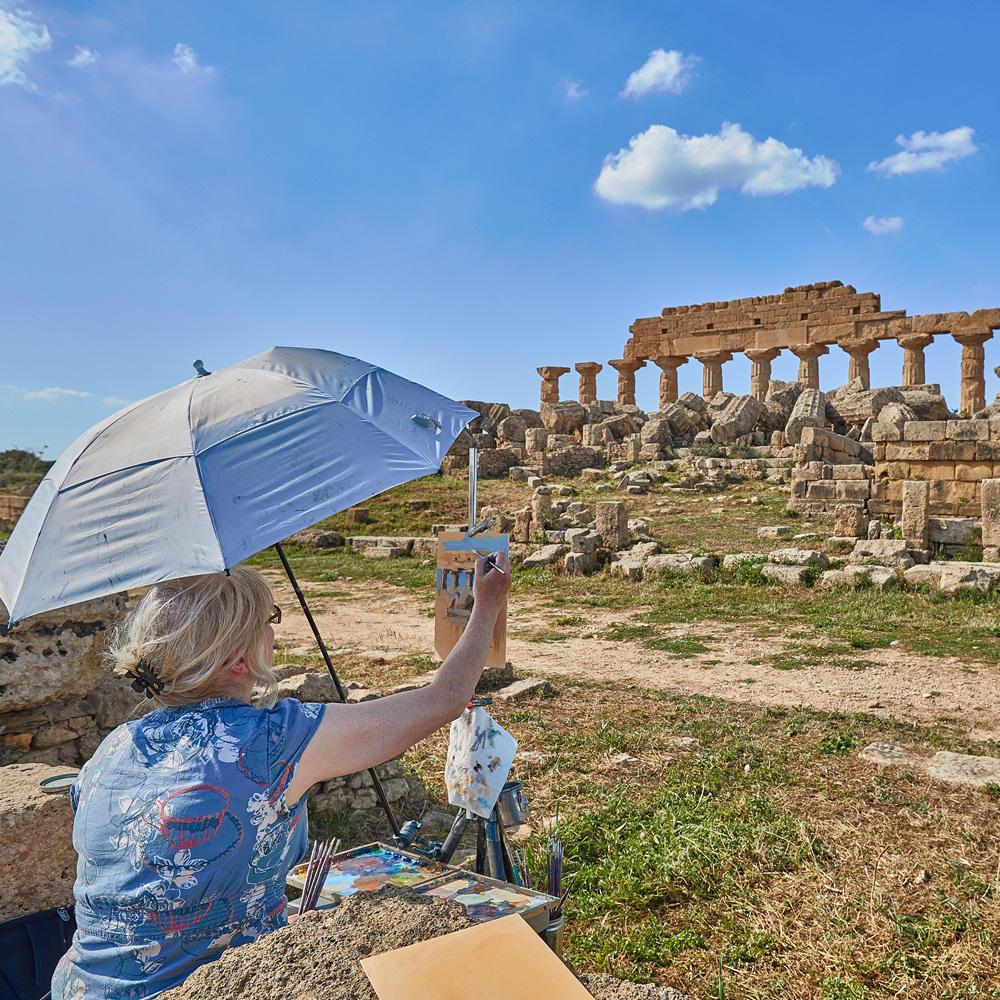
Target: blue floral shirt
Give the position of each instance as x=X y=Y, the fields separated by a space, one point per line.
x=184 y=842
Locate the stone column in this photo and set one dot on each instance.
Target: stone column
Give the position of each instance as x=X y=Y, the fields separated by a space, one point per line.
x=809 y=355
x=973 y=370
x=550 y=382
x=626 y=369
x=588 y=380
x=913 y=357
x=859 y=348
x=668 y=378
x=712 y=376
x=760 y=373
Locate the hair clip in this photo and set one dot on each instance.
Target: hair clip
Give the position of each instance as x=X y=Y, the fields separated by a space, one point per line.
x=145 y=679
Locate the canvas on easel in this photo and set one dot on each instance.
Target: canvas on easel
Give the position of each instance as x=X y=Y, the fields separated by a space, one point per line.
x=453 y=598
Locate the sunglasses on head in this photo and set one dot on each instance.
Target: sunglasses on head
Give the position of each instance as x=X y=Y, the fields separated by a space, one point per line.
x=275 y=618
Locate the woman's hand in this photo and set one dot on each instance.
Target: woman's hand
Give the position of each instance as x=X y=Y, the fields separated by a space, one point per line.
x=491 y=583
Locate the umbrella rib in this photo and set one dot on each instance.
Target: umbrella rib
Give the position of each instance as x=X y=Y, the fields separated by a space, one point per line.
x=201 y=481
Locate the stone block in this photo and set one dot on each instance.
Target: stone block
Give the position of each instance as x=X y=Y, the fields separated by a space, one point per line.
x=990 y=498
x=850 y=521
x=882 y=551
x=612 y=524
x=738 y=417
x=57 y=655
x=799 y=557
x=916 y=513
x=956 y=576
x=925 y=430
x=523 y=473
x=545 y=556
x=852 y=489
x=680 y=563
x=535 y=439
x=734 y=560
x=628 y=568
x=965 y=769
x=494 y=463
x=780 y=573
x=524 y=688
x=774 y=531
x=511 y=430
x=36 y=831
x=565 y=417
x=809 y=411
x=968 y=430
x=570 y=461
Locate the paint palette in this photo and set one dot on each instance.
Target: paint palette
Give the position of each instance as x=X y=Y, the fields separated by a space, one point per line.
x=367 y=868
x=487 y=899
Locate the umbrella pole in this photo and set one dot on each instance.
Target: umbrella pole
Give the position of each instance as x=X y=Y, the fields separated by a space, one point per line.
x=341 y=693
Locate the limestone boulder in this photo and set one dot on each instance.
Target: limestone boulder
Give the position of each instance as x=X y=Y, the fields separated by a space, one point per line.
x=490 y=414
x=56 y=655
x=783 y=395
x=780 y=573
x=809 y=411
x=679 y=563
x=850 y=521
x=855 y=404
x=883 y=552
x=799 y=557
x=547 y=555
x=565 y=417
x=740 y=416
x=956 y=576
x=684 y=422
x=36 y=831
x=531 y=418
x=657 y=430
x=511 y=430
x=693 y=402
x=926 y=401
x=891 y=420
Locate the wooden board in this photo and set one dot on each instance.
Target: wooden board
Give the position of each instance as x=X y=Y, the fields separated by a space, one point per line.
x=500 y=960
x=453 y=593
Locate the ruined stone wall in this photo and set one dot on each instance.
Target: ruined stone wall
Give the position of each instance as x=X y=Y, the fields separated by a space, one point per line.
x=11 y=508
x=954 y=456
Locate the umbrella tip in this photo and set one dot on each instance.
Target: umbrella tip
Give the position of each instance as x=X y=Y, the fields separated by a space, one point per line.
x=200 y=368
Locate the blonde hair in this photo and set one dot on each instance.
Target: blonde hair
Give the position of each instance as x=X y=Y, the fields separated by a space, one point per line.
x=188 y=632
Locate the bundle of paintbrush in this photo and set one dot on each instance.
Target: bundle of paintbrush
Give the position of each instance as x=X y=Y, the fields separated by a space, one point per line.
x=319 y=867
x=554 y=856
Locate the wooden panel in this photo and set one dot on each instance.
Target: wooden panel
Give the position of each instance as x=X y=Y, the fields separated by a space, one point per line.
x=501 y=960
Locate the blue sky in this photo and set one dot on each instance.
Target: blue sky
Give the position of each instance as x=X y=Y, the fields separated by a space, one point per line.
x=417 y=184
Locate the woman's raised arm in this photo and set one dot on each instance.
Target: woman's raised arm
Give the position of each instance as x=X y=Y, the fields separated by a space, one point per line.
x=351 y=738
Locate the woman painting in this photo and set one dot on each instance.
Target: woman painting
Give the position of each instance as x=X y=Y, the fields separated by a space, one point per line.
x=188 y=818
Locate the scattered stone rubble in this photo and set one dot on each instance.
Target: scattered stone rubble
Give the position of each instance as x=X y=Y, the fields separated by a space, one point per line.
x=957 y=768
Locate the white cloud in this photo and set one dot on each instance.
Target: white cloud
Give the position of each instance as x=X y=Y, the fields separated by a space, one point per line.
x=663 y=169
x=186 y=60
x=927 y=151
x=82 y=57
x=115 y=401
x=884 y=225
x=56 y=392
x=663 y=70
x=574 y=90
x=21 y=36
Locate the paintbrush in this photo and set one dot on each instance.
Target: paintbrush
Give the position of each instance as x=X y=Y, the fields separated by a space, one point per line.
x=307 y=881
x=318 y=876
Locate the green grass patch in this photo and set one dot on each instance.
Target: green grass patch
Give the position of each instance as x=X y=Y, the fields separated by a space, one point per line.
x=686 y=646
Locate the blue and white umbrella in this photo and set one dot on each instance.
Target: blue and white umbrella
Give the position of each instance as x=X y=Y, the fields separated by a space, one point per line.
x=199 y=477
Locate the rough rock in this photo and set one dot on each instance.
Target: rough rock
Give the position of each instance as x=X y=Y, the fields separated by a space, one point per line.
x=738 y=417
x=774 y=531
x=605 y=987
x=511 y=430
x=964 y=768
x=56 y=655
x=612 y=524
x=809 y=411
x=884 y=551
x=317 y=538
x=799 y=557
x=679 y=562
x=854 y=576
x=957 y=576
x=780 y=573
x=736 y=559
x=524 y=688
x=545 y=556
x=892 y=419
x=855 y=404
x=565 y=417
x=36 y=831
x=926 y=401
x=850 y=521
x=891 y=754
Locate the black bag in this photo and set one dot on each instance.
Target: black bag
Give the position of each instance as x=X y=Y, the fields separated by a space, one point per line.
x=30 y=949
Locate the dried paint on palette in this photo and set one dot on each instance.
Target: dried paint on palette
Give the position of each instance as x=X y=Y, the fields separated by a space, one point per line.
x=370 y=868
x=485 y=900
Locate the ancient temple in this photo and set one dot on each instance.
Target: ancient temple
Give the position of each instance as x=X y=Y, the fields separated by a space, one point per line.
x=805 y=320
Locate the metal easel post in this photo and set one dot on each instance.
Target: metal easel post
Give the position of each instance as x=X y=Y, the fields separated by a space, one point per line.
x=341 y=693
x=473 y=476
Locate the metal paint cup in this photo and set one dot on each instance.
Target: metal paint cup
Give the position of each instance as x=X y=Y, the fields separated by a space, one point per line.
x=513 y=804
x=554 y=933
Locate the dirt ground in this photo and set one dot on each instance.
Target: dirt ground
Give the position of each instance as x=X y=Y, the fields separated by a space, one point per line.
x=894 y=684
